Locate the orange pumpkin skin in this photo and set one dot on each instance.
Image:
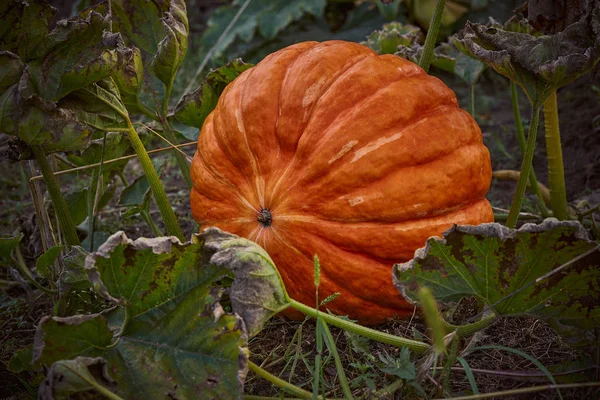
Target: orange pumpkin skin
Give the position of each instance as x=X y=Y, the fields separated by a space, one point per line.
x=357 y=157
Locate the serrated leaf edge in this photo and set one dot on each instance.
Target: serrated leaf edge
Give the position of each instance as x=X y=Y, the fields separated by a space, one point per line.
x=490 y=230
x=158 y=245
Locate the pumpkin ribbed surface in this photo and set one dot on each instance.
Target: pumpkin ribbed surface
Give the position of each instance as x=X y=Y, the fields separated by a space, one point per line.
x=330 y=149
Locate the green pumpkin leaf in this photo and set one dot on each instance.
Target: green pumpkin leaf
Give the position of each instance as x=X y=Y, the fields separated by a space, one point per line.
x=172 y=49
x=195 y=106
x=276 y=15
x=468 y=68
x=98 y=106
x=390 y=9
x=358 y=24
x=8 y=244
x=178 y=339
x=43 y=263
x=84 y=7
x=129 y=78
x=77 y=202
x=117 y=145
x=24 y=26
x=7 y=109
x=59 y=338
x=76 y=53
x=412 y=52
x=175 y=337
x=99 y=238
x=138 y=192
x=75 y=287
x=41 y=122
x=158 y=31
x=401 y=366
x=11 y=69
x=502 y=266
x=139 y=23
x=515 y=24
x=257 y=292
x=15 y=100
x=74 y=276
x=69 y=377
x=21 y=360
x=63 y=66
x=447 y=57
x=393 y=35
x=268 y=17
x=539 y=64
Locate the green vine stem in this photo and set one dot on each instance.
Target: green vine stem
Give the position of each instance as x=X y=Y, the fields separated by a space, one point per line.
x=521 y=138
x=60 y=205
x=288 y=387
x=169 y=218
x=93 y=194
x=432 y=33
x=433 y=319
x=515 y=208
x=24 y=269
x=93 y=187
x=155 y=229
x=469 y=329
x=144 y=110
x=523 y=216
x=556 y=173
x=414 y=345
x=330 y=342
x=389 y=390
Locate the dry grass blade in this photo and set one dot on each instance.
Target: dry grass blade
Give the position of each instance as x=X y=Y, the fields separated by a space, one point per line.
x=511 y=175
x=173 y=146
x=43 y=220
x=525 y=375
x=533 y=389
x=71 y=170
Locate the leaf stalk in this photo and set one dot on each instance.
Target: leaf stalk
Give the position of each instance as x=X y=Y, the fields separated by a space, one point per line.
x=166 y=211
x=521 y=138
x=515 y=208
x=413 y=345
x=58 y=200
x=556 y=173
x=469 y=329
x=288 y=387
x=434 y=28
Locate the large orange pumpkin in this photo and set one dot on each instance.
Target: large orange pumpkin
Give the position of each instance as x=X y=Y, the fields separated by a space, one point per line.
x=330 y=149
